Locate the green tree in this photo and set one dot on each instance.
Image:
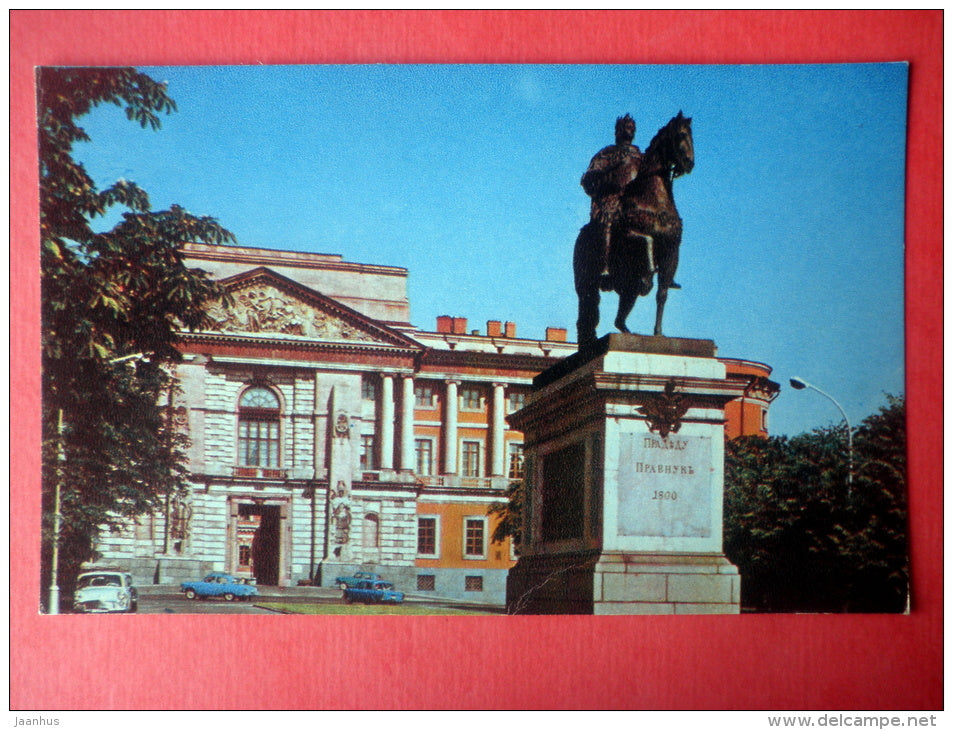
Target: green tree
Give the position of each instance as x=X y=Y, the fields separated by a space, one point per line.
x=106 y=294
x=877 y=544
x=509 y=514
x=806 y=540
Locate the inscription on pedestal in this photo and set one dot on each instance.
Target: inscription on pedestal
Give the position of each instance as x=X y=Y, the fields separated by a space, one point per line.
x=664 y=485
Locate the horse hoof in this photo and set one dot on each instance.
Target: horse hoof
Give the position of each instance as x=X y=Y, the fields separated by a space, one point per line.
x=622 y=328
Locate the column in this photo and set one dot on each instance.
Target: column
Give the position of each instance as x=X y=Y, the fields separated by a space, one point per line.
x=387 y=421
x=317 y=455
x=450 y=429
x=497 y=431
x=407 y=424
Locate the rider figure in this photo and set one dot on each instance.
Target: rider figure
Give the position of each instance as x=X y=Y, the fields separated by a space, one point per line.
x=610 y=171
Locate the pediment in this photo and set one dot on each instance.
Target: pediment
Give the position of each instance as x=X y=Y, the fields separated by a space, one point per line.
x=265 y=303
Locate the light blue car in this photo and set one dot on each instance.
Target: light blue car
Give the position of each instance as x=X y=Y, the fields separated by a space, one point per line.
x=373 y=591
x=351 y=581
x=220 y=584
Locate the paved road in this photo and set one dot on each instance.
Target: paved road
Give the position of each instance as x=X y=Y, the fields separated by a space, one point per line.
x=178 y=603
x=165 y=599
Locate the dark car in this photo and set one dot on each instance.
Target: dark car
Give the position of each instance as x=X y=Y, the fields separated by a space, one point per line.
x=372 y=591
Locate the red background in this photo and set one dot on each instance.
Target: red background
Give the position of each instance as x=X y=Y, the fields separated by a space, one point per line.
x=777 y=662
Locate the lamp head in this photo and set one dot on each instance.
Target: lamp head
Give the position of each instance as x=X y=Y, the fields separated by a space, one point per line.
x=798 y=383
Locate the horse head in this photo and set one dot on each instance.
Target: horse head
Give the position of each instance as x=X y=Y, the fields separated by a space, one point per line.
x=682 y=148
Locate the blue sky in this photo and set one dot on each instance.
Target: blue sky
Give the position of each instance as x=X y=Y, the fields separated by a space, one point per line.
x=468 y=176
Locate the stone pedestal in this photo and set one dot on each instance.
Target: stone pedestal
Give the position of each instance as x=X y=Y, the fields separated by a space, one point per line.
x=624 y=448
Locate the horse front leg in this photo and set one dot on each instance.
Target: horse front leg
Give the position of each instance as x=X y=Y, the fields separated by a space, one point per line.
x=660 y=298
x=667 y=259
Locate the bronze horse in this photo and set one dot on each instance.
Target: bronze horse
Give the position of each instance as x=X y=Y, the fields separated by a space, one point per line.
x=645 y=236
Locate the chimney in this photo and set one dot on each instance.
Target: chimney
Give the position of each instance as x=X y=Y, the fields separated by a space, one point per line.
x=510 y=329
x=445 y=324
x=555 y=334
x=459 y=325
x=494 y=328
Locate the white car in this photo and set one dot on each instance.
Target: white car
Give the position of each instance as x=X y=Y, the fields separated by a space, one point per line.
x=105 y=591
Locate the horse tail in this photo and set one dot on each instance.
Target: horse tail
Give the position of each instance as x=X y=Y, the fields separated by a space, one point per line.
x=585 y=260
x=586 y=278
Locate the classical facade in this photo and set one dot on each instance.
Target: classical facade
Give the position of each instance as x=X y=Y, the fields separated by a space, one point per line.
x=328 y=434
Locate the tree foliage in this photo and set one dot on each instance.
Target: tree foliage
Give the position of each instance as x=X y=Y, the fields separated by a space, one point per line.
x=509 y=514
x=802 y=536
x=105 y=295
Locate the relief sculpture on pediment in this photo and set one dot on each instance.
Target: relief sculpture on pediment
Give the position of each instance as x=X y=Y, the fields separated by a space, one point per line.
x=266 y=309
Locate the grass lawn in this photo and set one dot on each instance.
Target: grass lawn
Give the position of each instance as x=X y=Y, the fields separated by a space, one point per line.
x=360 y=609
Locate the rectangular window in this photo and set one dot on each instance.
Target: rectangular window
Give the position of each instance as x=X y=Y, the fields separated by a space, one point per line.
x=368 y=459
x=474 y=545
x=426 y=583
x=515 y=461
x=473 y=583
x=244 y=554
x=470 y=398
x=369 y=389
x=515 y=401
x=423 y=396
x=427 y=536
x=471 y=458
x=258 y=443
x=423 y=448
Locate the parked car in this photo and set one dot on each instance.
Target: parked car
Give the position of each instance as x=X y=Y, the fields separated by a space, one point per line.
x=105 y=591
x=345 y=581
x=220 y=584
x=373 y=591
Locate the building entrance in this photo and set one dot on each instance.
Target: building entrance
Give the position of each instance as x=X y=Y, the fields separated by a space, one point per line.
x=258 y=536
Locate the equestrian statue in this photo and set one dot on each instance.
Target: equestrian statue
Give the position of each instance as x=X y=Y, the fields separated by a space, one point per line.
x=635 y=230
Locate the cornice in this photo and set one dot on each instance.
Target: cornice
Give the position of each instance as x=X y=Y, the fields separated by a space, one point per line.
x=273 y=343
x=197 y=252
x=470 y=358
x=588 y=394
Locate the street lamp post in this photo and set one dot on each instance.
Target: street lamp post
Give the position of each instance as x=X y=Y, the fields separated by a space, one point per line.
x=801 y=384
x=54 y=607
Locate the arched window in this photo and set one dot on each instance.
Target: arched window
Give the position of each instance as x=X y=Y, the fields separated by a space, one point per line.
x=258 y=432
x=371 y=530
